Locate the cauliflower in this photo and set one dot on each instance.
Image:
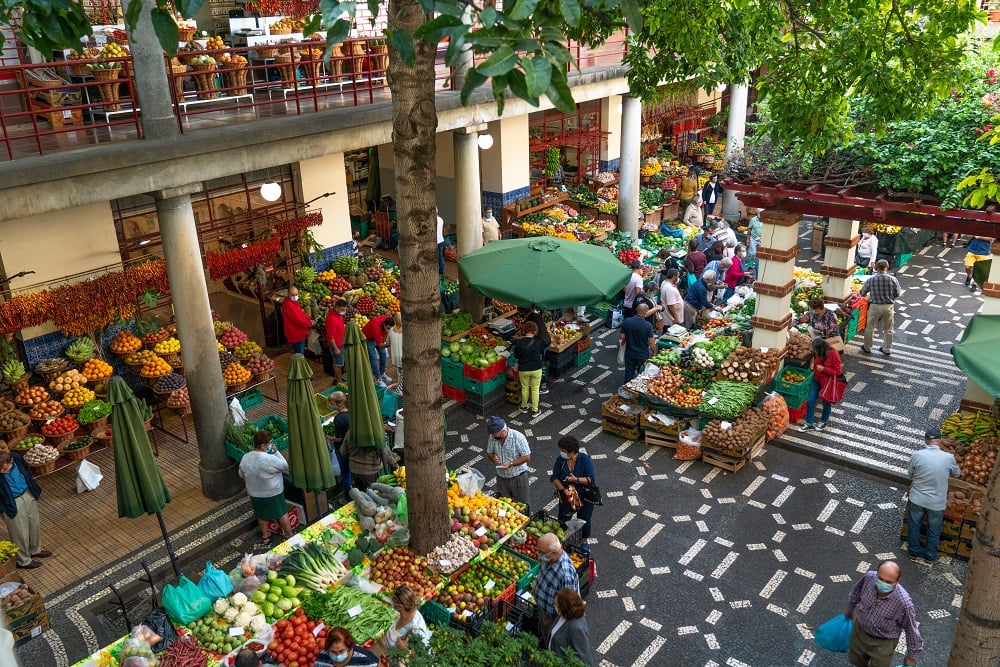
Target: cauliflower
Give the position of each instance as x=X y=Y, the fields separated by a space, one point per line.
x=259 y=624
x=250 y=608
x=220 y=606
x=242 y=620
x=238 y=599
x=231 y=614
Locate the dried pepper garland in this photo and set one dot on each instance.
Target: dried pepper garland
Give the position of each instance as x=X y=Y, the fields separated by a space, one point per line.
x=296 y=225
x=222 y=265
x=24 y=310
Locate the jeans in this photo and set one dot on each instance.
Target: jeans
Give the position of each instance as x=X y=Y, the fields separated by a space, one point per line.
x=441 y=258
x=345 y=471
x=531 y=381
x=934 y=520
x=584 y=514
x=299 y=347
x=633 y=366
x=378 y=356
x=710 y=208
x=811 y=405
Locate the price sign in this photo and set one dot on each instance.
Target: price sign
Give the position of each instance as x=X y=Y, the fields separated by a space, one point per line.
x=235 y=632
x=480 y=531
x=764 y=350
x=501 y=512
x=444 y=562
x=318 y=629
x=725 y=426
x=489 y=585
x=355 y=611
x=713 y=400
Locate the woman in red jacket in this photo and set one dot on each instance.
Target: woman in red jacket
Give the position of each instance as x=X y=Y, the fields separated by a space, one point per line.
x=826 y=364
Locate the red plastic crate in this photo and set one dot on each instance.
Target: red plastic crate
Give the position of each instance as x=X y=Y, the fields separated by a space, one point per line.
x=453 y=393
x=795 y=414
x=383 y=225
x=484 y=374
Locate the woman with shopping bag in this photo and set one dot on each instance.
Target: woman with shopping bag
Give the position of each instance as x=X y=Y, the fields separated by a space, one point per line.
x=828 y=384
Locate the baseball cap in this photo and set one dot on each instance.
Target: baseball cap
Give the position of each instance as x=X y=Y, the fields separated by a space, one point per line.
x=932 y=435
x=495 y=424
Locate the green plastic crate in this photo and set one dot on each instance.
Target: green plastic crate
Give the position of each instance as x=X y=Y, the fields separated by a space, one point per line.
x=323 y=405
x=281 y=442
x=435 y=614
x=452 y=373
x=340 y=387
x=486 y=386
x=251 y=398
x=524 y=582
x=582 y=359
x=795 y=393
x=236 y=453
x=852 y=330
x=902 y=259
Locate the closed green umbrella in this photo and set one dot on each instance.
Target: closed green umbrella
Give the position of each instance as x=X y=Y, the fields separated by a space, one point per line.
x=308 y=457
x=138 y=481
x=975 y=354
x=549 y=272
x=367 y=431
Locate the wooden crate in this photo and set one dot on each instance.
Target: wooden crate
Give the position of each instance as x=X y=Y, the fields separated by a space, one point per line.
x=732 y=463
x=57 y=117
x=661 y=440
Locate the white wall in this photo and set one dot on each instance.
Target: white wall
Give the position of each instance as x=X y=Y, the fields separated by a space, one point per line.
x=318 y=176
x=505 y=165
x=611 y=120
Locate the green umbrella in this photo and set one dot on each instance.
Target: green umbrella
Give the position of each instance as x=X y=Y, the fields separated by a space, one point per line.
x=138 y=481
x=981 y=271
x=975 y=354
x=308 y=457
x=362 y=403
x=551 y=273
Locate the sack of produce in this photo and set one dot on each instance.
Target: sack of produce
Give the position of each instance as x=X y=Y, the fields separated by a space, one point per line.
x=776 y=408
x=688 y=445
x=215 y=583
x=185 y=602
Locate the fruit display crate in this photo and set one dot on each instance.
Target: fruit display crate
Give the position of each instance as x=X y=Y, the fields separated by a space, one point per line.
x=570 y=538
x=452 y=373
x=794 y=392
x=236 y=454
x=622 y=411
x=484 y=387
x=582 y=359
x=281 y=425
x=796 y=413
x=483 y=374
x=508 y=614
x=453 y=393
x=585 y=570
x=732 y=463
x=583 y=344
x=251 y=398
x=650 y=420
x=524 y=581
x=661 y=439
x=622 y=431
x=485 y=403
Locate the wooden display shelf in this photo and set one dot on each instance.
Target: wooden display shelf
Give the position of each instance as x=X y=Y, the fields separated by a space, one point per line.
x=509 y=213
x=57 y=117
x=660 y=439
x=566 y=345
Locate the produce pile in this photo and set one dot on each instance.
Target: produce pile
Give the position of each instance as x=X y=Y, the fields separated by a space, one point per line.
x=976 y=458
x=71 y=379
x=969 y=426
x=21 y=592
x=727 y=400
x=799 y=346
x=468 y=593
x=747 y=364
x=735 y=437
x=455 y=323
x=345 y=606
x=13 y=420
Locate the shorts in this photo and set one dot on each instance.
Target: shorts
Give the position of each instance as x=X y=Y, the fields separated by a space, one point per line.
x=338 y=359
x=972 y=258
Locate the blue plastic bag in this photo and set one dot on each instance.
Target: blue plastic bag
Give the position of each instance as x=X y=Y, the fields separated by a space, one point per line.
x=215 y=583
x=835 y=634
x=185 y=602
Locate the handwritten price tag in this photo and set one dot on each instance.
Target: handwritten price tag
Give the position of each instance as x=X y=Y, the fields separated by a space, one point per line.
x=480 y=531
x=764 y=350
x=713 y=400
x=444 y=562
x=489 y=585
x=318 y=629
x=356 y=610
x=235 y=632
x=725 y=426
x=501 y=512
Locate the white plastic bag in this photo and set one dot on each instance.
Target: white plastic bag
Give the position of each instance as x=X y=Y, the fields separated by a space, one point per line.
x=236 y=410
x=88 y=476
x=471 y=481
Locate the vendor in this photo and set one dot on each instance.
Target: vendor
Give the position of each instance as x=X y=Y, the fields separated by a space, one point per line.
x=866 y=251
x=696 y=301
x=410 y=623
x=535 y=315
x=687 y=189
x=823 y=321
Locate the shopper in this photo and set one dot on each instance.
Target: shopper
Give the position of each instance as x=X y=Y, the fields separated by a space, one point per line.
x=670 y=300
x=723 y=232
x=491 y=228
x=335 y=327
x=695 y=261
x=882 y=610
x=364 y=462
x=343 y=651
x=247 y=658
x=696 y=301
x=632 y=288
x=376 y=332
x=705 y=240
x=954 y=239
x=535 y=315
x=822 y=320
x=866 y=252
x=928 y=471
x=341 y=425
x=508 y=450
x=882 y=290
x=827 y=368
x=693 y=216
x=570 y=634
x=716 y=251
x=687 y=190
x=440 y=241
x=978 y=250
x=410 y=622
x=529 y=351
x=712 y=193
x=737 y=273
x=296 y=323
x=19 y=494
x=395 y=336
x=639 y=340
x=572 y=473
x=557 y=572
x=263 y=472
x=648 y=298
x=755 y=231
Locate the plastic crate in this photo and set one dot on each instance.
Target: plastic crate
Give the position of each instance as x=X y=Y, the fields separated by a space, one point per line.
x=453 y=393
x=571 y=538
x=282 y=427
x=451 y=373
x=795 y=414
x=505 y=613
x=484 y=374
x=236 y=453
x=583 y=344
x=582 y=359
x=584 y=570
x=901 y=259
x=805 y=362
x=852 y=331
x=486 y=403
x=559 y=364
x=251 y=398
x=795 y=392
x=435 y=614
x=533 y=567
x=483 y=388
x=323 y=406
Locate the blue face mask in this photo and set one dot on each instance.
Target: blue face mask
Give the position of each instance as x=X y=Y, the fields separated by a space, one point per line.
x=340 y=657
x=565 y=455
x=544 y=557
x=883 y=587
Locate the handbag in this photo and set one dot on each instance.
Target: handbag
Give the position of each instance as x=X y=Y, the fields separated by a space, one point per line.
x=592 y=494
x=833 y=388
x=835 y=634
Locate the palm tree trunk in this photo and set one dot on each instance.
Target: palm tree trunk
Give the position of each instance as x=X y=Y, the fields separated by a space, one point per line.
x=413 y=135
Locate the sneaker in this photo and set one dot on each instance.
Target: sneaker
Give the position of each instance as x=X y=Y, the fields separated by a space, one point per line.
x=968 y=279
x=524 y=409
x=806 y=427
x=379 y=383
x=865 y=351
x=916 y=558
x=820 y=426
x=972 y=288
x=536 y=414
x=884 y=351
x=542 y=392
x=385 y=378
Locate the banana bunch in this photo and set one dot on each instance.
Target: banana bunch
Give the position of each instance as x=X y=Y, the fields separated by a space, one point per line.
x=7 y=550
x=13 y=370
x=968 y=426
x=81 y=349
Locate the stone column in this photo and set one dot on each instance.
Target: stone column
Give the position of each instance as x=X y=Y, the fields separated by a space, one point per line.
x=838 y=264
x=611 y=123
x=775 y=279
x=152 y=87
x=468 y=213
x=628 y=184
x=735 y=134
x=975 y=397
x=219 y=476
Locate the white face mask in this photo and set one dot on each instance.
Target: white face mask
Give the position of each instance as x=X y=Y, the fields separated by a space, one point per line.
x=295 y=297
x=865 y=235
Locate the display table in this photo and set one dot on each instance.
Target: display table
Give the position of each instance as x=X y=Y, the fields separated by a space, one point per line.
x=509 y=214
x=183 y=416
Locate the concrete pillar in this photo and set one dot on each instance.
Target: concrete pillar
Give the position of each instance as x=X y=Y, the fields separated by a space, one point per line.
x=468 y=216
x=838 y=264
x=219 y=473
x=735 y=135
x=611 y=124
x=628 y=184
x=775 y=279
x=151 y=84
x=975 y=397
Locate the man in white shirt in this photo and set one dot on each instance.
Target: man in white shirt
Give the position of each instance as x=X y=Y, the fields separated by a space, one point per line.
x=440 y=241
x=491 y=228
x=670 y=299
x=633 y=288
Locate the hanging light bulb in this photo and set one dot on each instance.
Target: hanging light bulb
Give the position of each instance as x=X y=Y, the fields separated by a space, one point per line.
x=485 y=141
x=270 y=191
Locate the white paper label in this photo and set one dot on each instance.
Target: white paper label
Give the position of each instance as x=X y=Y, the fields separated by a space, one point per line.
x=764 y=350
x=67 y=114
x=466 y=612
x=318 y=629
x=725 y=426
x=444 y=562
x=501 y=512
x=296 y=540
x=480 y=531
x=713 y=400
x=340 y=555
x=451 y=609
x=489 y=585
x=235 y=632
x=356 y=610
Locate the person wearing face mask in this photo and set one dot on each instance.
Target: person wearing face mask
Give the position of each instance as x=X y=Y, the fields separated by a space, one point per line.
x=866 y=252
x=491 y=228
x=882 y=610
x=296 y=323
x=342 y=651
x=737 y=272
x=557 y=572
x=572 y=472
x=335 y=328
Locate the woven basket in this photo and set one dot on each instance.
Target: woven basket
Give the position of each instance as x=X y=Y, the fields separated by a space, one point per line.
x=260 y=377
x=266 y=51
x=42 y=420
x=279 y=31
x=181 y=411
x=287 y=71
x=52 y=375
x=100 y=434
x=236 y=387
x=43 y=469
x=100 y=422
x=77 y=454
x=8 y=566
x=109 y=92
x=336 y=66
x=178 y=82
x=186 y=33
x=17 y=386
x=16 y=434
x=151 y=382
x=235 y=78
x=58 y=441
x=380 y=58
x=204 y=80
x=79 y=67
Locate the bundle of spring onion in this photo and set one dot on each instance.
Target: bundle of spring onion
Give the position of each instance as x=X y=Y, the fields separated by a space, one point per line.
x=314 y=566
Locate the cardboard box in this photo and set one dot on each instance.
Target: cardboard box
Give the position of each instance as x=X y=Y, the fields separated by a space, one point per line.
x=296 y=517
x=28 y=631
x=963 y=550
x=950 y=528
x=968 y=531
x=25 y=612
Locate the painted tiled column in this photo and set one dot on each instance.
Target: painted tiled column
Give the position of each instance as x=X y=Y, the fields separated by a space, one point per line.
x=468 y=214
x=975 y=397
x=628 y=185
x=838 y=263
x=775 y=278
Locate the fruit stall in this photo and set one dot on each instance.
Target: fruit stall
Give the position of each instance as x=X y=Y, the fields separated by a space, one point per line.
x=341 y=571
x=23 y=609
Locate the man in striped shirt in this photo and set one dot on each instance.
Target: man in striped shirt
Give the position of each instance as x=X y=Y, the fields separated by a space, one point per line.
x=882 y=291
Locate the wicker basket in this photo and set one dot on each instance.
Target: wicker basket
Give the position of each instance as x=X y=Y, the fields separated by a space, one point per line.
x=58 y=441
x=43 y=469
x=17 y=386
x=380 y=58
x=109 y=90
x=181 y=411
x=204 y=80
x=186 y=33
x=236 y=387
x=42 y=420
x=8 y=566
x=257 y=378
x=235 y=78
x=16 y=434
x=264 y=52
x=279 y=31
x=287 y=64
x=79 y=67
x=101 y=435
x=151 y=382
x=77 y=454
x=336 y=67
x=100 y=422
x=356 y=49
x=52 y=375
x=178 y=81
